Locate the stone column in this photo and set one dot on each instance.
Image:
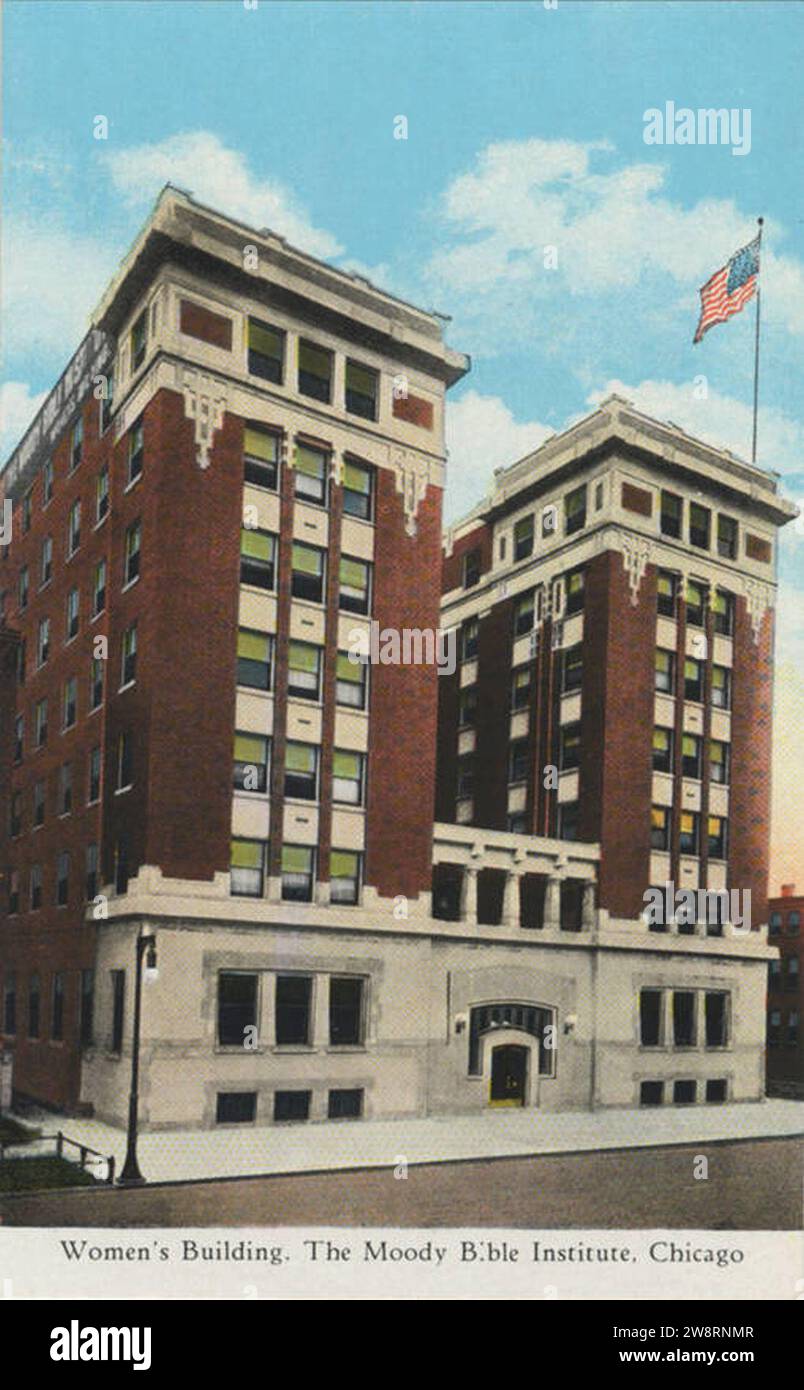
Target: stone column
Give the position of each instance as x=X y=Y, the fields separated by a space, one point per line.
x=469 y=897
x=552 y=904
x=510 y=903
x=588 y=906
x=320 y=1021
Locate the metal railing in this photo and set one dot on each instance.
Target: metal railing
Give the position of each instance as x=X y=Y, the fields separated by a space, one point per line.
x=30 y=1148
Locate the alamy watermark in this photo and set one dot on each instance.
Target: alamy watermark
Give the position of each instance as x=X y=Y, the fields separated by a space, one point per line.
x=406 y=646
x=687 y=906
x=706 y=126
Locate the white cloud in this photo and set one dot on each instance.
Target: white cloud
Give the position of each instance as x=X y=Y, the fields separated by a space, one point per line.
x=17 y=409
x=220 y=177
x=482 y=435
x=52 y=281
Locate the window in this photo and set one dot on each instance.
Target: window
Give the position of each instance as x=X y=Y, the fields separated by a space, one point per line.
x=666 y=590
x=301 y=771
x=304 y=670
x=344 y=1105
x=298 y=865
x=76 y=443
x=774 y=1027
x=716 y=1019
x=266 y=351
x=650 y=1017
x=672 y=510
x=87 y=1008
x=65 y=789
x=689 y=828
x=72 y=614
x=774 y=975
x=793 y=923
x=466 y=776
x=310 y=474
x=74 y=528
x=125 y=761
x=15 y=815
x=292 y=1105
x=524 y=608
x=791 y=972
x=91 y=875
x=43 y=641
x=355 y=585
x=683 y=1018
x=716 y=1090
x=793 y=1021
x=351 y=681
x=63 y=879
x=307 y=575
x=237 y=1006
x=294 y=996
x=69 y=703
x=136 y=451
x=41 y=723
x=128 y=671
x=39 y=803
x=254 y=659
x=344 y=876
x=470 y=633
x=361 y=390
x=33 y=1006
x=727 y=537
x=235 y=1107
x=107 y=402
x=261 y=457
x=651 y=1092
x=139 y=341
x=131 y=570
x=36 y=887
x=723 y=609
x=121 y=864
x=721 y=687
x=568 y=820
x=570 y=751
x=693 y=679
x=345 y=1011
x=523 y=537
x=575 y=510
x=684 y=1092
x=19 y=737
x=691 y=749
x=574 y=591
x=315 y=371
x=662 y=750
x=22 y=589
x=775 y=923
x=358 y=490
x=118 y=1008
x=47 y=560
x=572 y=669
x=659 y=828
x=699 y=525
x=520 y=688
x=348 y=775
x=27 y=510
x=258 y=558
x=696 y=600
x=467 y=707
x=718 y=837
x=93 y=788
x=96 y=683
x=719 y=761
x=99 y=588
x=10 y=1002
x=247 y=870
x=471 y=569
x=250 y=763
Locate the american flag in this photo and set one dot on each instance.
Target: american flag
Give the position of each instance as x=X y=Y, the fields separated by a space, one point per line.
x=729 y=289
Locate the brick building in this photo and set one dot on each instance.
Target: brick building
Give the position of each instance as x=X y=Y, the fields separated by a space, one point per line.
x=240 y=472
x=785 y=995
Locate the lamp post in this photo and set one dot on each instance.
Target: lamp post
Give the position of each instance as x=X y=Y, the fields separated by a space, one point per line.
x=131 y=1175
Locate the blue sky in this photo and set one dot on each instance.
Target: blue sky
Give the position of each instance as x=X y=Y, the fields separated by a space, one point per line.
x=525 y=130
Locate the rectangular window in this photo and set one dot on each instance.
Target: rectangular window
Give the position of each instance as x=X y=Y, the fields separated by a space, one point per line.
x=22 y=589
x=131 y=569
x=13 y=892
x=19 y=737
x=716 y=1090
x=471 y=569
x=47 y=561
x=662 y=750
x=136 y=451
x=237 y=1006
x=266 y=351
x=650 y=1017
x=254 y=659
x=659 y=828
x=27 y=511
x=70 y=702
x=128 y=672
x=470 y=634
x=696 y=600
x=76 y=444
x=261 y=457
x=121 y=864
x=62 y=879
x=39 y=803
x=570 y=751
x=43 y=641
x=247 y=871
x=87 y=1008
x=96 y=683
x=258 y=558
x=301 y=771
x=344 y=1105
x=72 y=614
x=723 y=609
x=691 y=750
x=10 y=1003
x=99 y=588
x=65 y=789
x=727 y=537
x=344 y=876
x=15 y=815
x=684 y=1092
x=467 y=707
x=107 y=402
x=304 y=670
x=294 y=997
x=41 y=723
x=315 y=371
x=716 y=1019
x=518 y=761
x=523 y=537
x=235 y=1107
x=361 y=390
x=693 y=679
x=292 y=1105
x=298 y=869
x=310 y=474
x=139 y=340
x=568 y=820
x=575 y=510
x=91 y=875
x=683 y=1018
x=672 y=510
x=250 y=763
x=700 y=518
x=348 y=774
x=524 y=608
x=520 y=688
x=572 y=669
x=351 y=683
x=358 y=490
x=721 y=687
x=36 y=887
x=33 y=1006
x=574 y=592
x=74 y=528
x=792 y=1034
x=718 y=837
x=307 y=573
x=125 y=761
x=354 y=595
x=93 y=788
x=346 y=1011
x=118 y=1008
x=466 y=776
x=689 y=832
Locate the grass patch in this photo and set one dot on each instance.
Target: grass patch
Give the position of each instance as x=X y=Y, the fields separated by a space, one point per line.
x=41 y=1174
x=12 y=1132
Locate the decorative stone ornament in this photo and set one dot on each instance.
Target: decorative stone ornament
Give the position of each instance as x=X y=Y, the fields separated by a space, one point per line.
x=204 y=403
x=636 y=554
x=412 y=476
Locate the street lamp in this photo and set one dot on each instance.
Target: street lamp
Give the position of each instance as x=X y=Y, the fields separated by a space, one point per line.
x=131 y=1175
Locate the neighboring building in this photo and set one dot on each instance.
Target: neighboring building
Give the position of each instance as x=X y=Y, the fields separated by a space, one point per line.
x=785 y=995
x=189 y=752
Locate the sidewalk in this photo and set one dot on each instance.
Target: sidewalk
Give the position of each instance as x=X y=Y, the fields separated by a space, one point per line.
x=214 y=1153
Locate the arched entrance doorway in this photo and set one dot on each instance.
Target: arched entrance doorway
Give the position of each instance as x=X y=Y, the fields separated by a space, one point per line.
x=509 y=1075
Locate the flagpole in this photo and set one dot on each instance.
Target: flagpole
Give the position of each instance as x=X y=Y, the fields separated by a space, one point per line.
x=760 y=221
